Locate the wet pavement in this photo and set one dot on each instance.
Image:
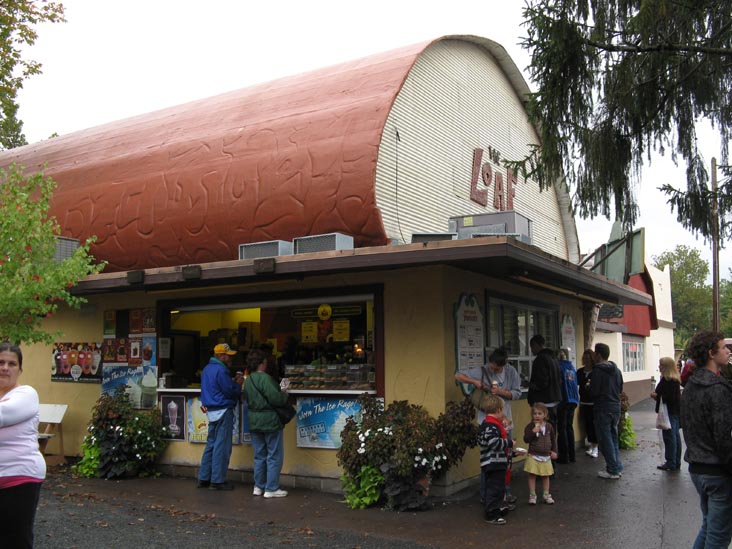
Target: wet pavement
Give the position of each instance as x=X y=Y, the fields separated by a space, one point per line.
x=647 y=508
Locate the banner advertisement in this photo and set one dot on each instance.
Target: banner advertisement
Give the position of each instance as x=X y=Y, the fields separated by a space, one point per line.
x=139 y=382
x=173 y=412
x=198 y=422
x=77 y=362
x=320 y=420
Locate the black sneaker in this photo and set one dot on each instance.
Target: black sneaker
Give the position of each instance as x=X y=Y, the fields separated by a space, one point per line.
x=500 y=521
x=506 y=507
x=203 y=484
x=221 y=486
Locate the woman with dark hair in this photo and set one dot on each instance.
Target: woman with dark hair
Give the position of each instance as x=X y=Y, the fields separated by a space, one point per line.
x=22 y=467
x=586 y=408
x=263 y=395
x=668 y=392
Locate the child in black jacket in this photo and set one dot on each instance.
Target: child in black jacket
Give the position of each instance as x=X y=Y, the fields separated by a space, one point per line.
x=494 y=455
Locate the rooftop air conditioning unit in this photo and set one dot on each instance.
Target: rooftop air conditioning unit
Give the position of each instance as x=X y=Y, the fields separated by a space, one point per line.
x=65 y=248
x=431 y=237
x=322 y=243
x=509 y=223
x=269 y=248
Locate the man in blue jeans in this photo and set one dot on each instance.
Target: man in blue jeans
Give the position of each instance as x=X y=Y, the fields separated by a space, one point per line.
x=706 y=419
x=605 y=386
x=219 y=396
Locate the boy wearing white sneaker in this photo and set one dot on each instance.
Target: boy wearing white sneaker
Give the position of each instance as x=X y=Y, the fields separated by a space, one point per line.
x=494 y=448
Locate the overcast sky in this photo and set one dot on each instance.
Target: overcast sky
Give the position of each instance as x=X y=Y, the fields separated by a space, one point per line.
x=117 y=58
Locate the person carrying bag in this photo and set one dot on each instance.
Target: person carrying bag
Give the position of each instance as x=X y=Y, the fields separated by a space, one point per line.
x=668 y=407
x=264 y=397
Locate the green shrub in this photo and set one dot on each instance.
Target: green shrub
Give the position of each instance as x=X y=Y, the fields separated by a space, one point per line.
x=406 y=446
x=363 y=490
x=122 y=441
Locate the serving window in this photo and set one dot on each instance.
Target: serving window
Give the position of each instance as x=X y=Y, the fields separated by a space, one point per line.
x=323 y=344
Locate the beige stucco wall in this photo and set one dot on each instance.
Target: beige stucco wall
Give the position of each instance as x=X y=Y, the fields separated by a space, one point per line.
x=419 y=344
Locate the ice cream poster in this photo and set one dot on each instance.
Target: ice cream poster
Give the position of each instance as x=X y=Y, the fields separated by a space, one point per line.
x=140 y=383
x=172 y=411
x=320 y=420
x=80 y=362
x=198 y=422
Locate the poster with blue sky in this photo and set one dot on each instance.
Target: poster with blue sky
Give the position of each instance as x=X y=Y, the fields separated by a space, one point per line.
x=320 y=420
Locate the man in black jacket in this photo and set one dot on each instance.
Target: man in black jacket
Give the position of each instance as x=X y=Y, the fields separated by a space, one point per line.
x=605 y=387
x=546 y=378
x=706 y=420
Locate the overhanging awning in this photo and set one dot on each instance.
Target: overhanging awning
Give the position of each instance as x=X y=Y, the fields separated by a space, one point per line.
x=496 y=256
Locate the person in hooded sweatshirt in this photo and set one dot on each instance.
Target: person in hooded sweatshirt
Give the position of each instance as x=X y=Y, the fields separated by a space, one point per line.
x=605 y=386
x=706 y=421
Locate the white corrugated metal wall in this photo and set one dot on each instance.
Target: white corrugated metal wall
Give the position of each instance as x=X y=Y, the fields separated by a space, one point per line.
x=456 y=99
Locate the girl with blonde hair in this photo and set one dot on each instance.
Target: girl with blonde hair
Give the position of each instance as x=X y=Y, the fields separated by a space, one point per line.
x=668 y=392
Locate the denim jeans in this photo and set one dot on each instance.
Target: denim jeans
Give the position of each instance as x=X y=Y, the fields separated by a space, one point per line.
x=672 y=443
x=606 y=428
x=565 y=431
x=215 y=460
x=495 y=485
x=715 y=500
x=269 y=453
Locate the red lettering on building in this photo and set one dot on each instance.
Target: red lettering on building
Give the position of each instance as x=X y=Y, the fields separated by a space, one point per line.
x=477 y=195
x=504 y=192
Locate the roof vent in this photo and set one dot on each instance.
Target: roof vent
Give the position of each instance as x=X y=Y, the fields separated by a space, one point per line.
x=322 y=243
x=509 y=223
x=432 y=237
x=65 y=248
x=269 y=248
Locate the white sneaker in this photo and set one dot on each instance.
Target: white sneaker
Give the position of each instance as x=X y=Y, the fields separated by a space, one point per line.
x=594 y=452
x=276 y=494
x=601 y=474
x=257 y=491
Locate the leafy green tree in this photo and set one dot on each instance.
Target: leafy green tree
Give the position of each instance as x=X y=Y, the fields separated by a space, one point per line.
x=619 y=79
x=725 y=305
x=691 y=296
x=33 y=283
x=18 y=19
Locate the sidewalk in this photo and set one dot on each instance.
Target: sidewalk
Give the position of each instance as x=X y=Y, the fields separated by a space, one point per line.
x=646 y=508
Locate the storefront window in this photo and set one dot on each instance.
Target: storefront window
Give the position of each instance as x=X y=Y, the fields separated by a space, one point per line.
x=512 y=325
x=320 y=344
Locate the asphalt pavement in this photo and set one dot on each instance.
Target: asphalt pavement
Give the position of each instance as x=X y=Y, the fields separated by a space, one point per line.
x=646 y=508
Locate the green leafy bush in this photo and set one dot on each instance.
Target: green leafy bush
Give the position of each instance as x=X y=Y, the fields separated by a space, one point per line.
x=364 y=490
x=406 y=446
x=122 y=441
x=626 y=434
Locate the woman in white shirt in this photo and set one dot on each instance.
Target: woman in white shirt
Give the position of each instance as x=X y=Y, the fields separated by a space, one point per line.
x=22 y=467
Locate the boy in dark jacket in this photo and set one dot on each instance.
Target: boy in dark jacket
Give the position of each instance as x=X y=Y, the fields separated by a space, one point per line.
x=494 y=447
x=606 y=385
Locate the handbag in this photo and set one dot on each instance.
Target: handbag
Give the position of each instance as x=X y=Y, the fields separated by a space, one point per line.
x=284 y=413
x=662 y=420
x=479 y=393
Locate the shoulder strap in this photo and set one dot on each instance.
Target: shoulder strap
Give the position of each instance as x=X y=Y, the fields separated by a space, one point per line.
x=250 y=380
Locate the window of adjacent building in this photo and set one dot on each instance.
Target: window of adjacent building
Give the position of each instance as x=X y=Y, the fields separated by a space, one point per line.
x=512 y=325
x=633 y=356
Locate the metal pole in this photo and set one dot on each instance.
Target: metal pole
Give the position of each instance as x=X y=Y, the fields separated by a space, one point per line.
x=715 y=249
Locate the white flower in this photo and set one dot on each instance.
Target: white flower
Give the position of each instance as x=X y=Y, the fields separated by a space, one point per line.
x=424 y=461
x=361 y=450
x=439 y=445
x=419 y=450
x=416 y=458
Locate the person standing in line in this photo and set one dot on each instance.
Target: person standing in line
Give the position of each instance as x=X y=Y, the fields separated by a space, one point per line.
x=495 y=445
x=606 y=384
x=566 y=408
x=502 y=380
x=546 y=378
x=586 y=404
x=263 y=395
x=706 y=420
x=668 y=392
x=219 y=396
x=539 y=434
x=22 y=467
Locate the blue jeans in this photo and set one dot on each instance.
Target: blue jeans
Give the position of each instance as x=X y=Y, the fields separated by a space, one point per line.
x=215 y=460
x=672 y=443
x=606 y=428
x=715 y=500
x=269 y=453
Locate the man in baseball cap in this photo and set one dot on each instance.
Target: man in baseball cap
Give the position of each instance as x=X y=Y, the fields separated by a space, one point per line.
x=219 y=396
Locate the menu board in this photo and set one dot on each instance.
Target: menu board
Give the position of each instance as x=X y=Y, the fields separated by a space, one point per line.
x=469 y=334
